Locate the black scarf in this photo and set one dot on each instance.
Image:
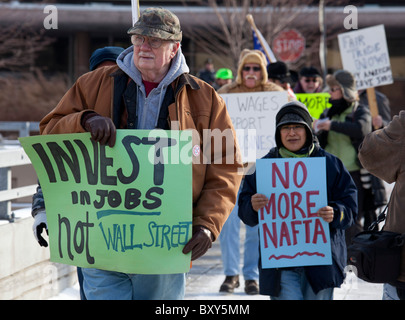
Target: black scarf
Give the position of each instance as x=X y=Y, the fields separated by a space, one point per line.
x=338 y=106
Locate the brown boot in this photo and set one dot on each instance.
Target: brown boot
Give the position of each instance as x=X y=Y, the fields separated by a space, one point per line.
x=230 y=283
x=251 y=287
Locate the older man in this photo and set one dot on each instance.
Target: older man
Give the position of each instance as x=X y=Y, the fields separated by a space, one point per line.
x=151 y=88
x=251 y=77
x=252 y=74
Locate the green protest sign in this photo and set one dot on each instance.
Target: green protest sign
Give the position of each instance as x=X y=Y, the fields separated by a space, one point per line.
x=315 y=102
x=126 y=208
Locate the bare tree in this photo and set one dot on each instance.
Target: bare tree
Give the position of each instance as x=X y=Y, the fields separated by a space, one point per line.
x=232 y=33
x=27 y=95
x=228 y=36
x=20 y=42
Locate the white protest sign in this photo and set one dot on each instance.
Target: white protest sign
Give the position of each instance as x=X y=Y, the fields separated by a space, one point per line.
x=365 y=54
x=253 y=115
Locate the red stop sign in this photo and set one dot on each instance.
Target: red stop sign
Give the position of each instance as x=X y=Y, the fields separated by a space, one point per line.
x=289 y=45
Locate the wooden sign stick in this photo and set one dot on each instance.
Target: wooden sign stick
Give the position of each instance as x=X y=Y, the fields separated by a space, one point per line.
x=372 y=102
x=251 y=21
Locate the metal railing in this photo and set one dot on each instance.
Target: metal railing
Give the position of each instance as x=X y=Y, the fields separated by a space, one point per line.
x=12 y=155
x=24 y=128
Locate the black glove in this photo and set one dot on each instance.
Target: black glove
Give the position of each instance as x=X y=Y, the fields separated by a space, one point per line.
x=102 y=129
x=199 y=243
x=40 y=223
x=42 y=242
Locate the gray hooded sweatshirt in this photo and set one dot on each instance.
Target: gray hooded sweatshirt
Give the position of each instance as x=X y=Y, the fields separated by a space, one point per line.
x=149 y=107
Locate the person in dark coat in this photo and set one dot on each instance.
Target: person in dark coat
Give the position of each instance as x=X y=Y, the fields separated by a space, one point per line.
x=294 y=138
x=208 y=73
x=340 y=131
x=309 y=81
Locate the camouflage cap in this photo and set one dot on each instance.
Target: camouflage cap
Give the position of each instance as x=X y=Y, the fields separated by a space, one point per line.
x=158 y=23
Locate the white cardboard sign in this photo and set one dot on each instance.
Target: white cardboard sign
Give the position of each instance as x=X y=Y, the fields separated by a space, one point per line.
x=365 y=54
x=254 y=118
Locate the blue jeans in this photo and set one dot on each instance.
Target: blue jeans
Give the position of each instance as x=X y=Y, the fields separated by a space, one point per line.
x=230 y=248
x=389 y=292
x=295 y=286
x=110 y=285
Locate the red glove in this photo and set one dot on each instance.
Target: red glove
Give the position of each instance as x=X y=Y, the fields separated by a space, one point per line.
x=199 y=243
x=102 y=129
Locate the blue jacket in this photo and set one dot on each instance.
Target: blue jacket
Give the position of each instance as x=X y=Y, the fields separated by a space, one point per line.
x=342 y=196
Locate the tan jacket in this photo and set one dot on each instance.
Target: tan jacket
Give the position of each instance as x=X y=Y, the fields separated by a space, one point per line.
x=197 y=106
x=382 y=153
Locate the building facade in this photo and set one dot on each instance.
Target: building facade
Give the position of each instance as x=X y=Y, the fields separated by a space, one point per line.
x=84 y=26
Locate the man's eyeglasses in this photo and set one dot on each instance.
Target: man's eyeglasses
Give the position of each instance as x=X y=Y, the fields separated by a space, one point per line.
x=155 y=43
x=255 y=69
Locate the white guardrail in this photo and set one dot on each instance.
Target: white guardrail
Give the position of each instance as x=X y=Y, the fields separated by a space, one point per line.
x=12 y=155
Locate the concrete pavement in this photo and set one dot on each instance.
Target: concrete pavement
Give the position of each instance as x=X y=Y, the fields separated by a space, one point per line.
x=206 y=276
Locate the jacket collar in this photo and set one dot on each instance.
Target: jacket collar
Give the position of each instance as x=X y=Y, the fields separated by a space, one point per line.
x=185 y=79
x=182 y=80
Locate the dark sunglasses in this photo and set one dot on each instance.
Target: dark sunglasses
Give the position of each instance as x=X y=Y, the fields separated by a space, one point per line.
x=250 y=68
